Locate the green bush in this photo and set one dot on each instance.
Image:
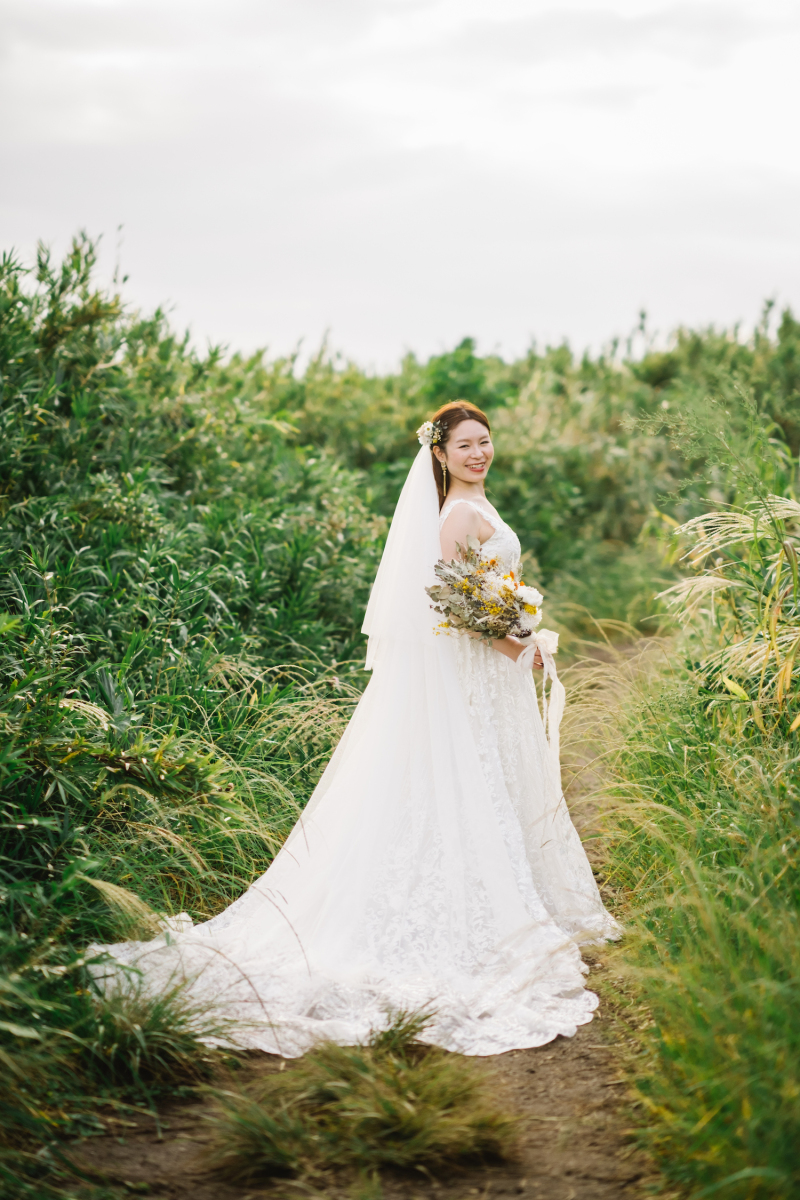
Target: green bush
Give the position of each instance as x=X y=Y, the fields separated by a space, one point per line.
x=177 y=576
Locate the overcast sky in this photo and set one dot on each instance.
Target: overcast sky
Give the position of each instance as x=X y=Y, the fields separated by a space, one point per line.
x=406 y=172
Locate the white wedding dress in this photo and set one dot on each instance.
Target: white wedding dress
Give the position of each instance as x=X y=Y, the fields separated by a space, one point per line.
x=435 y=867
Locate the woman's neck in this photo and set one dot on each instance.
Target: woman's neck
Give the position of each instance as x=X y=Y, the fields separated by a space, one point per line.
x=460 y=489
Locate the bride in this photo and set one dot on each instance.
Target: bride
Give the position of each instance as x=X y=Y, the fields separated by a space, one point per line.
x=436 y=865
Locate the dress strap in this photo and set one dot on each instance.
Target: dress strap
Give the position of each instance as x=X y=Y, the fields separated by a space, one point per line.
x=450 y=505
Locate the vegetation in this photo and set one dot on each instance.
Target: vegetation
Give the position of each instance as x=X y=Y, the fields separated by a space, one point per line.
x=707 y=854
x=186 y=548
x=392 y=1103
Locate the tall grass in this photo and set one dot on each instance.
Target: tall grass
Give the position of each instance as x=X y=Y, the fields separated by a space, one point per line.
x=67 y=1052
x=705 y=849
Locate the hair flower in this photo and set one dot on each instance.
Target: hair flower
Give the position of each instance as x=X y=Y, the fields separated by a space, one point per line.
x=429 y=433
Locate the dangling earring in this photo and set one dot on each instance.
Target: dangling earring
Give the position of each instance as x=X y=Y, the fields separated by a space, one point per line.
x=444 y=480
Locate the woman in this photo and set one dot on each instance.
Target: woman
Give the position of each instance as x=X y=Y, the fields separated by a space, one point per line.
x=436 y=865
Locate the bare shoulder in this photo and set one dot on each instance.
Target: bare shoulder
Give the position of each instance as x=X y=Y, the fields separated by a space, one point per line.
x=461 y=523
x=462 y=519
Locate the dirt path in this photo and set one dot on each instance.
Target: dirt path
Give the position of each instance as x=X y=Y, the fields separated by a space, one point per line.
x=575 y=1116
x=574 y=1143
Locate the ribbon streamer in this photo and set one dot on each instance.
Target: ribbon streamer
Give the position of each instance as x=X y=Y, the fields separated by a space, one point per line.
x=546 y=642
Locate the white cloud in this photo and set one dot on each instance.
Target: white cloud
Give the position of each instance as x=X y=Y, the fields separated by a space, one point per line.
x=408 y=171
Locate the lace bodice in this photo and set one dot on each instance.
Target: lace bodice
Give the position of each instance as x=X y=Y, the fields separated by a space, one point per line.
x=502 y=545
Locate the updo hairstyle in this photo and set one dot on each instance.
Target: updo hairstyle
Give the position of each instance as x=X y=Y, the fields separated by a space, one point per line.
x=448 y=417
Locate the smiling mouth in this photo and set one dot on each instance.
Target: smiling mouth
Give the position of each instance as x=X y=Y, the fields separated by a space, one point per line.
x=479 y=467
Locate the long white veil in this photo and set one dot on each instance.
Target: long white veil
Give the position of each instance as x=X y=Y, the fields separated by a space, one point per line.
x=398 y=609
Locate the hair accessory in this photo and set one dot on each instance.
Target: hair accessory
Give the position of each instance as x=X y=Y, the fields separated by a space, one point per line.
x=430 y=434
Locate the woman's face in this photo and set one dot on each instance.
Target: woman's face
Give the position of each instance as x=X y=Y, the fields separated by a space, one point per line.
x=468 y=452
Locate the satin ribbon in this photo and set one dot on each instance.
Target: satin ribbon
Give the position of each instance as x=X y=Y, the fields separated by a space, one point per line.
x=546 y=642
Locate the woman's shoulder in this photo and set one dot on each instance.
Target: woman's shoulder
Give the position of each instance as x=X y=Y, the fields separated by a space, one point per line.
x=467 y=512
x=463 y=512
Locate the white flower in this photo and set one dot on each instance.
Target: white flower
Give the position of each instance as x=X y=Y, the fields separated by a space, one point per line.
x=529 y=595
x=429 y=433
x=493 y=583
x=425 y=434
x=527 y=623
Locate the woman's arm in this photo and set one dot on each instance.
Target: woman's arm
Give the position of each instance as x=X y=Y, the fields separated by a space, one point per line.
x=512 y=647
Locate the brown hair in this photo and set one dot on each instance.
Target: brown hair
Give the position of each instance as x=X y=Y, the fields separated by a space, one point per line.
x=448 y=417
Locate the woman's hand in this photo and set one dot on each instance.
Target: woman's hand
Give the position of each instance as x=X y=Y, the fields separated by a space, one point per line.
x=511 y=647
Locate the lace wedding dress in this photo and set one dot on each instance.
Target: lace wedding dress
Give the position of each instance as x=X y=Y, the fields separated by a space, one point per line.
x=435 y=867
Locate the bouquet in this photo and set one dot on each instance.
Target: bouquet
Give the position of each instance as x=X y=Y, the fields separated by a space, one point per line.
x=476 y=596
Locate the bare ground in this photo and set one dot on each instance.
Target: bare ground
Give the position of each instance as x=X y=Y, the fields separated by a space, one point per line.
x=575 y=1143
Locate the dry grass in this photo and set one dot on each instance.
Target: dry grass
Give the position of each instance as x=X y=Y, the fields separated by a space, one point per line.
x=392 y=1103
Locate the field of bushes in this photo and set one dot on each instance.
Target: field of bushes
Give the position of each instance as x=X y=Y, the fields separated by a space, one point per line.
x=186 y=550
